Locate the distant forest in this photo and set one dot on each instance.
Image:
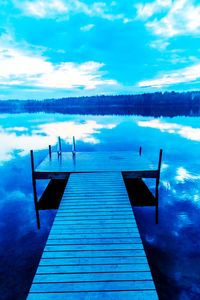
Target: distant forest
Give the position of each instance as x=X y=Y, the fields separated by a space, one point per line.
x=148 y=104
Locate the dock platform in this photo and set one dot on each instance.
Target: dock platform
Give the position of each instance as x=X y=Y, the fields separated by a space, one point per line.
x=94 y=249
x=128 y=162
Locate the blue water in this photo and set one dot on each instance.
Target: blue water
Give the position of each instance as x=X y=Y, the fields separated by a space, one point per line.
x=173 y=246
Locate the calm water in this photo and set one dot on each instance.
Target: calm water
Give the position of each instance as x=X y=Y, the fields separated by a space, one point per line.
x=173 y=246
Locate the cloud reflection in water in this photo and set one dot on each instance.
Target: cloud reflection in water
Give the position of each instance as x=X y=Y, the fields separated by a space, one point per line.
x=187 y=132
x=46 y=134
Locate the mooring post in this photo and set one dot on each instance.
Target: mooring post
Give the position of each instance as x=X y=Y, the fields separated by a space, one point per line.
x=59 y=150
x=140 y=151
x=34 y=191
x=59 y=144
x=73 y=146
x=49 y=151
x=157 y=183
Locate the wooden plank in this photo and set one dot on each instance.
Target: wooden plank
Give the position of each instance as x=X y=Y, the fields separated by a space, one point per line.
x=140 y=174
x=93 y=268
x=105 y=247
x=92 y=241
x=106 y=202
x=98 y=215
x=52 y=175
x=97 y=228
x=102 y=213
x=65 y=220
x=95 y=286
x=94 y=235
x=93 y=254
x=109 y=295
x=92 y=261
x=111 y=276
x=90 y=210
x=96 y=222
x=94 y=246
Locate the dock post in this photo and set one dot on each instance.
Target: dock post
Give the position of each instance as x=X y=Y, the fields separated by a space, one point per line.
x=140 y=151
x=49 y=151
x=34 y=191
x=157 y=183
x=59 y=150
x=59 y=144
x=73 y=146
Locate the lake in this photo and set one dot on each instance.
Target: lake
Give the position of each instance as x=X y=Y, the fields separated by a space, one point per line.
x=172 y=246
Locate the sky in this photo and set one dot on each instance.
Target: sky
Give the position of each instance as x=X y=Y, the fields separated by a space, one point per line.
x=61 y=48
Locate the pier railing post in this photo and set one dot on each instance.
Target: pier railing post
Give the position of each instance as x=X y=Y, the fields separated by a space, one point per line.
x=157 y=183
x=34 y=191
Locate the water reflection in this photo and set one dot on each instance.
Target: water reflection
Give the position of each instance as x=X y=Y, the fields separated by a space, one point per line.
x=83 y=130
x=183 y=175
x=172 y=246
x=187 y=132
x=38 y=137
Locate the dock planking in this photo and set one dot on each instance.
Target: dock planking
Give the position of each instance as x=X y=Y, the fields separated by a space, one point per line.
x=94 y=249
x=101 y=162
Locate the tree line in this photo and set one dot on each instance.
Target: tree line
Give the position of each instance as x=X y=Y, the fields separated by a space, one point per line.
x=167 y=103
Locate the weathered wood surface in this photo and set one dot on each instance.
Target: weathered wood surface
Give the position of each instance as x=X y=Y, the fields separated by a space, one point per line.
x=94 y=249
x=116 y=161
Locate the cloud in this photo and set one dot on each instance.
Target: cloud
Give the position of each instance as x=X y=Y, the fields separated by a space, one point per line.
x=179 y=76
x=145 y=11
x=18 y=68
x=44 y=8
x=21 y=129
x=52 y=8
x=87 y=27
x=159 y=44
x=181 y=17
x=187 y=132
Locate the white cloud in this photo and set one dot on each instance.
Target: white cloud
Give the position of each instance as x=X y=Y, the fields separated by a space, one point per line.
x=179 y=76
x=187 y=132
x=159 y=44
x=16 y=129
x=128 y=20
x=87 y=27
x=18 y=68
x=181 y=17
x=52 y=8
x=145 y=11
x=43 y=8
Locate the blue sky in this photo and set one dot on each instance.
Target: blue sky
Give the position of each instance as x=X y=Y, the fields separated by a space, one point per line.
x=58 y=48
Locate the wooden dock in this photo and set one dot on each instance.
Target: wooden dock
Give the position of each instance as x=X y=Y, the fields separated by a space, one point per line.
x=94 y=249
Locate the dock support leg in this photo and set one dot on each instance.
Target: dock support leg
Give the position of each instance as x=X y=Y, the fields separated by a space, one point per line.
x=34 y=191
x=140 y=150
x=49 y=151
x=157 y=183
